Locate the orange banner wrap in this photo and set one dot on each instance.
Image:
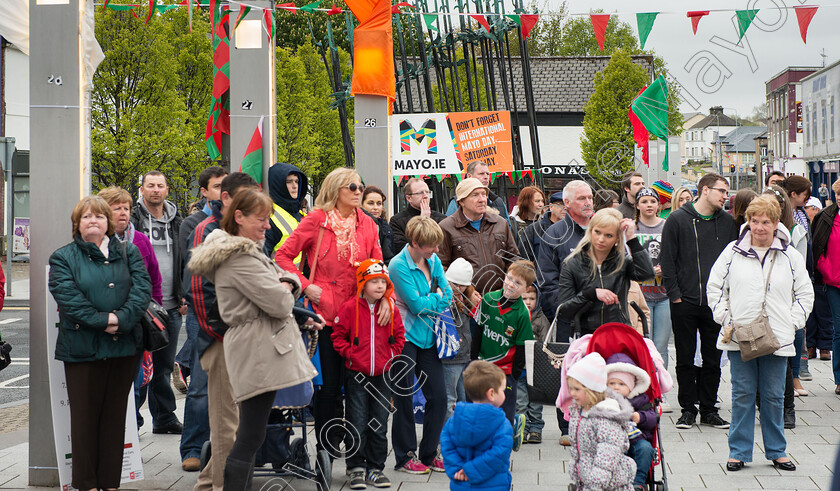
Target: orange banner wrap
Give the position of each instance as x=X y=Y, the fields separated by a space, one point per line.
x=373 y=48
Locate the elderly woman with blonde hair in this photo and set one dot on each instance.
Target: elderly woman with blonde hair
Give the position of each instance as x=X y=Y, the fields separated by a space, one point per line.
x=772 y=282
x=334 y=236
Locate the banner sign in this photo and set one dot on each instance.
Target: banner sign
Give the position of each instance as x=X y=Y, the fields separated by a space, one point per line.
x=132 y=468
x=446 y=143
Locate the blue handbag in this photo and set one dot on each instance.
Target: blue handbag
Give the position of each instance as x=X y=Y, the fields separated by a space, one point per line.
x=446 y=335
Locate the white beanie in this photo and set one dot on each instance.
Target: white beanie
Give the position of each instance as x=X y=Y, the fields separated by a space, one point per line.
x=591 y=372
x=460 y=272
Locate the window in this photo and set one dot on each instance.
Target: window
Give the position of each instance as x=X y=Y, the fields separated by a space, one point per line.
x=814 y=135
x=824 y=120
x=831 y=114
x=807 y=128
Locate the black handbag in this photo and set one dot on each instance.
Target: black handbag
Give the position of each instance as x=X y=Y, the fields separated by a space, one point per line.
x=5 y=354
x=543 y=363
x=154 y=322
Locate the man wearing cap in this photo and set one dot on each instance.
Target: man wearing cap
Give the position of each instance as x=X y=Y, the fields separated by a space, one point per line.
x=481 y=171
x=529 y=239
x=483 y=239
x=630 y=185
x=419 y=198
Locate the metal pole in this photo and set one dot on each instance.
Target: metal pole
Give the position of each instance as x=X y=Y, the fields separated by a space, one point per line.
x=58 y=148
x=252 y=88
x=8 y=144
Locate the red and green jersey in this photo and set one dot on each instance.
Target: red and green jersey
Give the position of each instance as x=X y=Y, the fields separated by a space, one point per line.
x=502 y=330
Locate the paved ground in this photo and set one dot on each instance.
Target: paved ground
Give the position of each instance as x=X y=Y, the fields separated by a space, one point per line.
x=694 y=458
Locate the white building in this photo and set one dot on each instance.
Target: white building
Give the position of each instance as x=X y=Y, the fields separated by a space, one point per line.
x=784 y=120
x=701 y=136
x=821 y=127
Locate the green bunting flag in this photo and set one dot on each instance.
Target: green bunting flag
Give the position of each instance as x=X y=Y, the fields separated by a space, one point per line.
x=644 y=22
x=310 y=7
x=252 y=163
x=430 y=19
x=745 y=18
x=515 y=18
x=651 y=107
x=243 y=11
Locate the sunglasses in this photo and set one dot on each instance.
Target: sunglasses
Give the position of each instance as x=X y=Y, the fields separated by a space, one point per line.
x=353 y=187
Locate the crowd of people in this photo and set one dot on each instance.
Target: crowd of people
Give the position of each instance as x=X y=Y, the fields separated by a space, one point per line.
x=443 y=303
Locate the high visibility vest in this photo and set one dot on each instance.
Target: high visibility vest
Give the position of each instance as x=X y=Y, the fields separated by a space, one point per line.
x=286 y=224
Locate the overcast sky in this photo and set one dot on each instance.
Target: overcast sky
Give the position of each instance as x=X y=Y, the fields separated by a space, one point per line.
x=773 y=40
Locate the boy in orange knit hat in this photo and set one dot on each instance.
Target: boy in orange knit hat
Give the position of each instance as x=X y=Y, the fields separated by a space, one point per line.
x=368 y=349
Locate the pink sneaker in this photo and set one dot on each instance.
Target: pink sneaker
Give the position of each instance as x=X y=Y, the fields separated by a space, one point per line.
x=414 y=466
x=437 y=464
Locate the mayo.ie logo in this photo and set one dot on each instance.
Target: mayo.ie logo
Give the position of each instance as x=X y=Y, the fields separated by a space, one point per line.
x=428 y=131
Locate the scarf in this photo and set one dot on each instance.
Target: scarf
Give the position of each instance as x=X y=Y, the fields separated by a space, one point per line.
x=345 y=234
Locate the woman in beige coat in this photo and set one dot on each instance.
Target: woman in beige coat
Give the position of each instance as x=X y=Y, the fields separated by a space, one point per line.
x=264 y=350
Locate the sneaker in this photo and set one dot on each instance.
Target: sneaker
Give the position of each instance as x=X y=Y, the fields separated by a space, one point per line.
x=686 y=421
x=414 y=466
x=566 y=441
x=377 y=479
x=714 y=419
x=178 y=379
x=518 y=431
x=666 y=408
x=805 y=375
x=357 y=480
x=534 y=437
x=437 y=463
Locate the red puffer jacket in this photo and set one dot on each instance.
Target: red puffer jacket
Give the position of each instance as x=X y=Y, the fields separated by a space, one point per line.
x=374 y=352
x=336 y=278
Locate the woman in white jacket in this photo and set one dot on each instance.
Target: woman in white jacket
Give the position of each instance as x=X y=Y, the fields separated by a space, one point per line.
x=737 y=281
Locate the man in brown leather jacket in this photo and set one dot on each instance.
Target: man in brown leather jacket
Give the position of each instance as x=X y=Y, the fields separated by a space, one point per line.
x=479 y=235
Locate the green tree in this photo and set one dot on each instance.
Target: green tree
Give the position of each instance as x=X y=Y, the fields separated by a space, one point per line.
x=578 y=39
x=147 y=99
x=607 y=140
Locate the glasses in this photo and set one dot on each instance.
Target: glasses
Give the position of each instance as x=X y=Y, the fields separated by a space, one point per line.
x=353 y=187
x=720 y=190
x=421 y=193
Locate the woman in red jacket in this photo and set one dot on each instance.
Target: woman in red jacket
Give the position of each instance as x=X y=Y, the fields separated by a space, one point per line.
x=334 y=236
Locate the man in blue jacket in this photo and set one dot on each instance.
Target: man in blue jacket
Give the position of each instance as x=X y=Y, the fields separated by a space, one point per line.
x=692 y=239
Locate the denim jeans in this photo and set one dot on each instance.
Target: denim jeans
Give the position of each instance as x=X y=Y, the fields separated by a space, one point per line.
x=196 y=421
x=833 y=294
x=660 y=329
x=642 y=452
x=820 y=327
x=453 y=376
x=161 y=397
x=796 y=360
x=368 y=406
x=765 y=375
x=532 y=411
x=425 y=364
x=185 y=356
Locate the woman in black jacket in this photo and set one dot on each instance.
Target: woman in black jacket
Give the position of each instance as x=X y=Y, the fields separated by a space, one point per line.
x=596 y=276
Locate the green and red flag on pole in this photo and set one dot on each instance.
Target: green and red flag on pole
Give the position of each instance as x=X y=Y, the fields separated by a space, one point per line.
x=651 y=108
x=252 y=162
x=218 y=120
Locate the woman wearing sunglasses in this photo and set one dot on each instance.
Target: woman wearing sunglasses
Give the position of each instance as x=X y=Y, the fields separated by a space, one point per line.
x=334 y=236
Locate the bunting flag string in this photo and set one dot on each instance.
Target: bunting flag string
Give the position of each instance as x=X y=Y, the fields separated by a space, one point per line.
x=804 y=14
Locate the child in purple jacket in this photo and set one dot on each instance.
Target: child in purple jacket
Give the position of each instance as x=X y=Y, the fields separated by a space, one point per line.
x=626 y=378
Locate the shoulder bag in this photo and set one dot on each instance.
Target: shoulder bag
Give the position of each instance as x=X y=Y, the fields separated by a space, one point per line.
x=756 y=338
x=153 y=321
x=543 y=363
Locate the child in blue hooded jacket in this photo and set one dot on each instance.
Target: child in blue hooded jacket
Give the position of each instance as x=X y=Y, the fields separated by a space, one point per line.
x=476 y=442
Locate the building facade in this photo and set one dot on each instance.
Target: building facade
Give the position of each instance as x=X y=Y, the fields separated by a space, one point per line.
x=821 y=127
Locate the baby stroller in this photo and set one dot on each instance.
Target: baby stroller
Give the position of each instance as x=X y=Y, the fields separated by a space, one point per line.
x=613 y=338
x=289 y=458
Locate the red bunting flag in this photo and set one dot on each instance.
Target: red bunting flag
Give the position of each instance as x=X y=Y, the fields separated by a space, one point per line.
x=804 y=15
x=482 y=20
x=268 y=16
x=151 y=10
x=395 y=9
x=252 y=162
x=528 y=23
x=599 y=25
x=695 y=17
x=334 y=10
x=289 y=6
x=529 y=174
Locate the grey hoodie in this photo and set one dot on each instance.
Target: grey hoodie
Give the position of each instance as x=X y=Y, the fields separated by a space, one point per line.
x=163 y=234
